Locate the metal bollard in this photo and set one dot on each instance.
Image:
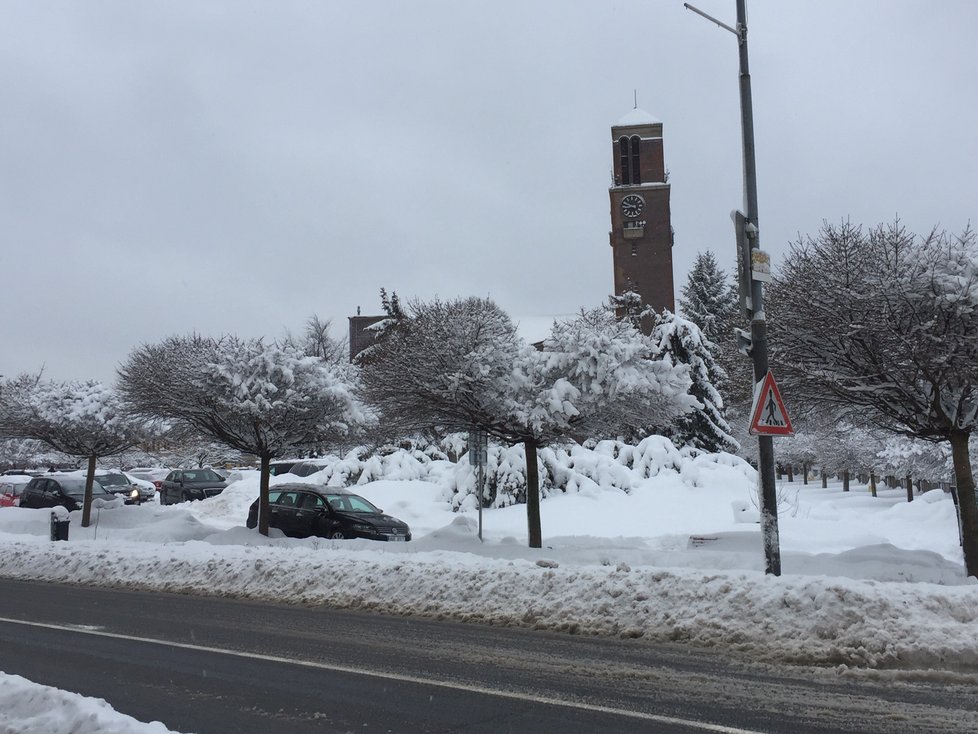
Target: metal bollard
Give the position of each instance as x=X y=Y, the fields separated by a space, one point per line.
x=59 y=524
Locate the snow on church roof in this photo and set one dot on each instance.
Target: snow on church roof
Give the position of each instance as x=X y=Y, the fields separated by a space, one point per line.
x=637 y=117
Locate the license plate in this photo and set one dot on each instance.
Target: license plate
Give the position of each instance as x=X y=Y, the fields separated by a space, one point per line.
x=395 y=537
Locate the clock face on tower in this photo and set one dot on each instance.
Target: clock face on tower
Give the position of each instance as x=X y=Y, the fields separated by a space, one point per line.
x=632 y=206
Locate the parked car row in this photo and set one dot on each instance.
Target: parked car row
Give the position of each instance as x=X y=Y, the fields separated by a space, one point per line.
x=134 y=487
x=298 y=510
x=62 y=488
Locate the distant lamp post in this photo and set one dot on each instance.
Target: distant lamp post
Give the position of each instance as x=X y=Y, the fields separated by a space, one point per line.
x=752 y=298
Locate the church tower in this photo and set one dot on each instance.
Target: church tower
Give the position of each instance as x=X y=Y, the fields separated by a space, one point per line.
x=641 y=230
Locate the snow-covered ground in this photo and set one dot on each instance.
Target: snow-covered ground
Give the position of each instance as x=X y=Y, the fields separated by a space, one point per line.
x=29 y=708
x=867 y=582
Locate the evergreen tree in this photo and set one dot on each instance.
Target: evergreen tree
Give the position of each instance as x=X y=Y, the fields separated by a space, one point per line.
x=706 y=427
x=708 y=300
x=629 y=307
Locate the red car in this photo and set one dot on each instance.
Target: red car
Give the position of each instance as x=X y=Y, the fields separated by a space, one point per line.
x=11 y=485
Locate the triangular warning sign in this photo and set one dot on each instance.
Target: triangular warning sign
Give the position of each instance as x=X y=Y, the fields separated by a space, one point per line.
x=768 y=416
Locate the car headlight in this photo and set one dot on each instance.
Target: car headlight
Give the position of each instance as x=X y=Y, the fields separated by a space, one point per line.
x=134 y=494
x=361 y=528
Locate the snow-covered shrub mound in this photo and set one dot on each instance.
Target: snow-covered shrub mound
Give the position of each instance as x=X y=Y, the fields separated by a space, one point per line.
x=569 y=469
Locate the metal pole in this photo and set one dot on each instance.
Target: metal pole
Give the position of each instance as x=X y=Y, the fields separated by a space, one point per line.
x=482 y=485
x=758 y=326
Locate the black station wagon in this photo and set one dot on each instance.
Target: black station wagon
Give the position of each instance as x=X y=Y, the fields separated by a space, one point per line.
x=301 y=510
x=66 y=490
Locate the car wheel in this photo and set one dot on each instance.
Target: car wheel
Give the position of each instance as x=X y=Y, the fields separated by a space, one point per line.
x=185 y=497
x=337 y=535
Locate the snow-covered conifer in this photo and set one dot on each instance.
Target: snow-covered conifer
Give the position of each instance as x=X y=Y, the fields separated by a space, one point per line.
x=707 y=298
x=710 y=301
x=628 y=306
x=680 y=341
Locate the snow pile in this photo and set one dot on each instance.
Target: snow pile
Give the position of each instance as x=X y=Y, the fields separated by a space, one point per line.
x=29 y=708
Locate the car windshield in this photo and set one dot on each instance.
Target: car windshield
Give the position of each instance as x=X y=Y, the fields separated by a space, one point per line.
x=113 y=480
x=76 y=488
x=350 y=503
x=202 y=475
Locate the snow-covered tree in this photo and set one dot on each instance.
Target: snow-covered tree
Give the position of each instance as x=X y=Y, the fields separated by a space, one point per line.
x=185 y=446
x=317 y=341
x=20 y=453
x=738 y=387
x=707 y=299
x=441 y=364
x=884 y=324
x=623 y=381
x=799 y=450
x=705 y=427
x=83 y=419
x=262 y=399
x=711 y=301
x=905 y=457
x=445 y=367
x=628 y=306
x=846 y=449
x=460 y=365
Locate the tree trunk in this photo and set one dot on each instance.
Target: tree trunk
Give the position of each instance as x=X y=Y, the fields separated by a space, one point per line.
x=909 y=488
x=532 y=495
x=791 y=473
x=872 y=483
x=825 y=478
x=965 y=480
x=263 y=510
x=804 y=468
x=87 y=503
x=845 y=480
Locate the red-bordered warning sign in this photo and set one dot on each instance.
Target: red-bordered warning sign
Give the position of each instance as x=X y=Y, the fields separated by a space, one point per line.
x=768 y=415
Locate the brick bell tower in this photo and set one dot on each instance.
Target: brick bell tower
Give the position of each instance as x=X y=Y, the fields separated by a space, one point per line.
x=641 y=231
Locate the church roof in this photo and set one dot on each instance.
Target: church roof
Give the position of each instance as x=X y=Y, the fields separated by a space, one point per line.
x=637 y=117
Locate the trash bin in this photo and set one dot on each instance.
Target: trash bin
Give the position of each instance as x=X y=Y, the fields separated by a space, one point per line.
x=59 y=523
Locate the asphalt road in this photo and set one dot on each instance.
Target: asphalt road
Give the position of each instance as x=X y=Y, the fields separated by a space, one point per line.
x=202 y=664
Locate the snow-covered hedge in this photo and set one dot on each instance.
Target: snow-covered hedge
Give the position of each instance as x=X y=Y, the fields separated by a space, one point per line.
x=562 y=469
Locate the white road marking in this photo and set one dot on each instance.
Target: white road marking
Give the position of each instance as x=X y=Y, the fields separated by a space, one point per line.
x=530 y=698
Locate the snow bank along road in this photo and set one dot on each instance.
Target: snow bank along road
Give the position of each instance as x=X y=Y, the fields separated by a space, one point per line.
x=801 y=619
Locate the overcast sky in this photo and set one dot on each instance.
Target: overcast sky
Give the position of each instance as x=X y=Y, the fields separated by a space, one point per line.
x=231 y=166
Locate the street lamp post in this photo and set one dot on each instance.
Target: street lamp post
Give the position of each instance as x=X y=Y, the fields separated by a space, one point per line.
x=758 y=330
